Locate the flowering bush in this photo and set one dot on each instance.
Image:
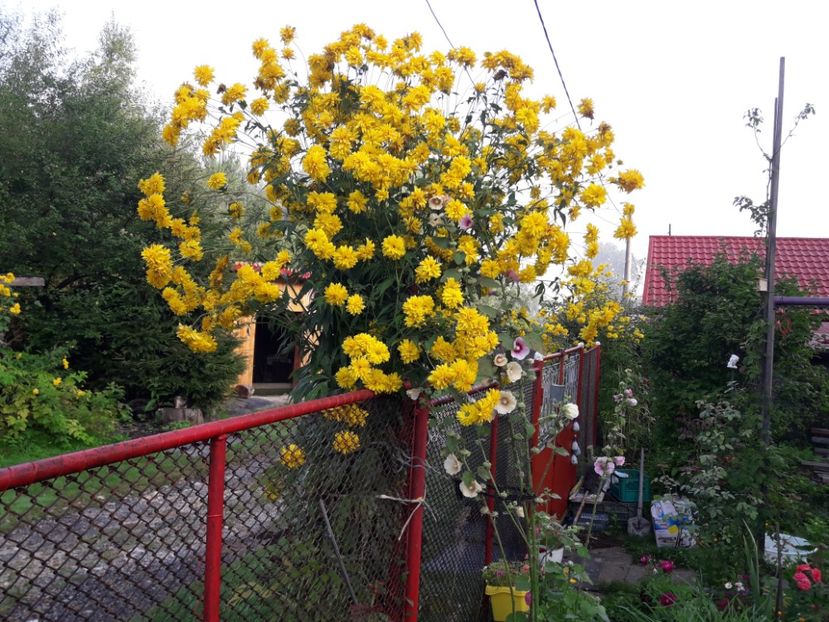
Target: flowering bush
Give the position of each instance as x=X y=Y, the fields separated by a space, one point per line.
x=9 y=306
x=504 y=573
x=40 y=393
x=416 y=198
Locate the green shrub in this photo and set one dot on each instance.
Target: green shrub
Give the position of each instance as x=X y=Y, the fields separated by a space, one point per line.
x=39 y=393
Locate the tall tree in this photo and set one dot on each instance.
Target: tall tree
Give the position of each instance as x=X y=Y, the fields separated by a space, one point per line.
x=75 y=136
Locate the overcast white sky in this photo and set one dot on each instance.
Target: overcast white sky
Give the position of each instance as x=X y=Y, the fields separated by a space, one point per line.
x=673 y=79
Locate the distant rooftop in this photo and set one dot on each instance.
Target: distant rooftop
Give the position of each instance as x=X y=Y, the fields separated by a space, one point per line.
x=805 y=259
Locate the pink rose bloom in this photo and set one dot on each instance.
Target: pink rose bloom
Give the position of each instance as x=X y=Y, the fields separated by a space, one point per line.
x=802 y=581
x=667 y=599
x=666 y=566
x=520 y=349
x=816 y=576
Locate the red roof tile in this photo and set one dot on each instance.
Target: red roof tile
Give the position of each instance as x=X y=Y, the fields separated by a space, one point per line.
x=806 y=259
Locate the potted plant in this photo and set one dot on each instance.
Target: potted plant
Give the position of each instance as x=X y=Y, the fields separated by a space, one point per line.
x=508 y=586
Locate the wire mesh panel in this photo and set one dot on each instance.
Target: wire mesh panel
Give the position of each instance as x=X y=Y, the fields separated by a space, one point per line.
x=311 y=533
x=109 y=543
x=454 y=530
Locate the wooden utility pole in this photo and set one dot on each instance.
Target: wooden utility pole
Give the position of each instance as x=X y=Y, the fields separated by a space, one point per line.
x=767 y=378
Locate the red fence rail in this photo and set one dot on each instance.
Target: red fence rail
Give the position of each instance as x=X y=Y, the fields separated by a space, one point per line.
x=208 y=522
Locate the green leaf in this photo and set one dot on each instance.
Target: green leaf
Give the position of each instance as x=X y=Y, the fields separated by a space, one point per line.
x=488 y=282
x=522 y=583
x=506 y=341
x=561 y=451
x=490 y=312
x=534 y=341
x=485 y=367
x=483 y=473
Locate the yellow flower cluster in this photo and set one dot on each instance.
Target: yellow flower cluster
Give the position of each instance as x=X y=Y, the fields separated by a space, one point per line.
x=423 y=204
x=365 y=352
x=481 y=411
x=6 y=292
x=626 y=228
x=352 y=415
x=292 y=456
x=346 y=442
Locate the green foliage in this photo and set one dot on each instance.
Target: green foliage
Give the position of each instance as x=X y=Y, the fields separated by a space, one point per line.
x=37 y=394
x=74 y=139
x=718 y=313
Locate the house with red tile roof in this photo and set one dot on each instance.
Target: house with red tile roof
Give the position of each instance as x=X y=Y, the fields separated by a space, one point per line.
x=803 y=259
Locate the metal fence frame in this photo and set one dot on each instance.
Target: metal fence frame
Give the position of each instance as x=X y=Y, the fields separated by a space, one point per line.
x=577 y=369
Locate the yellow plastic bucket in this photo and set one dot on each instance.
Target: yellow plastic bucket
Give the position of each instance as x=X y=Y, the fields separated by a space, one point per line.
x=504 y=600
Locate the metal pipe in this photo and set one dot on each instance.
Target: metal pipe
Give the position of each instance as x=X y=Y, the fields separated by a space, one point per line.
x=801 y=301
x=417 y=491
x=597 y=380
x=215 y=515
x=490 y=499
x=771 y=252
x=31 y=472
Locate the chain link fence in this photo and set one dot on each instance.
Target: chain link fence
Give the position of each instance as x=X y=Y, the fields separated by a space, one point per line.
x=300 y=530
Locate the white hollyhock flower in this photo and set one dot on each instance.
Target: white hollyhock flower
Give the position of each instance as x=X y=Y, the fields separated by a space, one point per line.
x=500 y=359
x=470 y=492
x=571 y=411
x=519 y=512
x=514 y=371
x=452 y=465
x=414 y=393
x=506 y=403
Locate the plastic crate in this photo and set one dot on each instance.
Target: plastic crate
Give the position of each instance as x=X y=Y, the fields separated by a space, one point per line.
x=627 y=489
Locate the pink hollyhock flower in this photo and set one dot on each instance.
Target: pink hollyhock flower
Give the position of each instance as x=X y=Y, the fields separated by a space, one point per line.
x=816 y=576
x=804 y=586
x=666 y=566
x=520 y=349
x=666 y=599
x=628 y=392
x=803 y=567
x=604 y=466
x=528 y=598
x=512 y=275
x=466 y=222
x=619 y=461
x=645 y=560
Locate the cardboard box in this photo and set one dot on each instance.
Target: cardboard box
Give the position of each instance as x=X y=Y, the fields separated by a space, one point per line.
x=673 y=521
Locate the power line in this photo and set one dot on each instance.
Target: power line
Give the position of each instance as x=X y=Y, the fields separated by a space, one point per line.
x=443 y=30
x=555 y=60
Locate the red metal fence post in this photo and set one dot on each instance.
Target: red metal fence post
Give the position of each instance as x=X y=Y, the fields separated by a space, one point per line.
x=597 y=380
x=417 y=491
x=215 y=514
x=490 y=500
